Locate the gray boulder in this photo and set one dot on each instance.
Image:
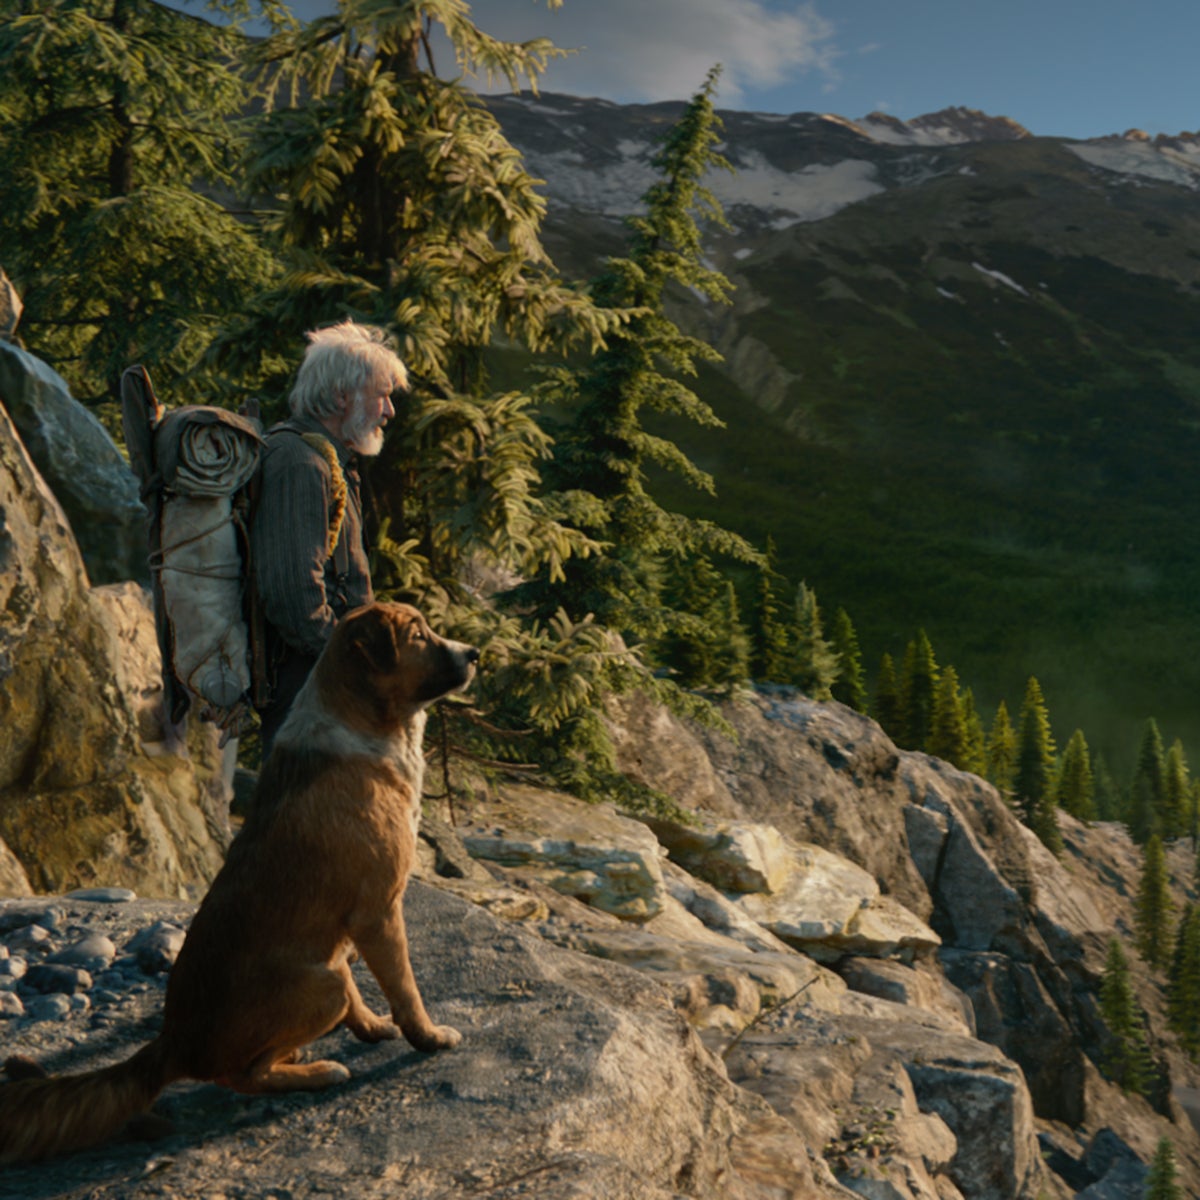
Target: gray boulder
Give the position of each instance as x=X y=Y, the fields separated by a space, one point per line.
x=583 y=850
x=81 y=464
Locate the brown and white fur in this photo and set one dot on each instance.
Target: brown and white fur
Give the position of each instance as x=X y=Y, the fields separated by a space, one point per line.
x=318 y=871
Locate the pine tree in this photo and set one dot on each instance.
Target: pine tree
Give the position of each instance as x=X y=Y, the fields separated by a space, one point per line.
x=768 y=633
x=1177 y=818
x=1161 y=1180
x=948 y=730
x=1075 y=787
x=814 y=661
x=975 y=751
x=1148 y=789
x=1002 y=752
x=733 y=664
x=886 y=708
x=404 y=206
x=707 y=646
x=110 y=112
x=1035 y=753
x=603 y=457
x=1110 y=805
x=1127 y=1056
x=1152 y=908
x=1183 y=982
x=1045 y=823
x=918 y=685
x=850 y=686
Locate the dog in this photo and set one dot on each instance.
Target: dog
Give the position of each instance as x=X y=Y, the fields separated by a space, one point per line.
x=317 y=872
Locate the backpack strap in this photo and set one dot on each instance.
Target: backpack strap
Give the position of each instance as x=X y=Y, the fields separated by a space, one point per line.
x=337 y=514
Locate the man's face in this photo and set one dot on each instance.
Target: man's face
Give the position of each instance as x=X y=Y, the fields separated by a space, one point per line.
x=366 y=415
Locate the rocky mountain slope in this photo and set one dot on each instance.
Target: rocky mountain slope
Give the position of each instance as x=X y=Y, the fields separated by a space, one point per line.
x=960 y=380
x=854 y=974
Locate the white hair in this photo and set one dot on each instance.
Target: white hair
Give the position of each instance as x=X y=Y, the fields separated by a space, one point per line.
x=344 y=360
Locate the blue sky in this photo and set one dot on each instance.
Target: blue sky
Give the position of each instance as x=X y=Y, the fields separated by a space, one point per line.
x=1073 y=68
x=1069 y=68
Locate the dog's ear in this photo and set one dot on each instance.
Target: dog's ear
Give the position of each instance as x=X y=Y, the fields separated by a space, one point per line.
x=373 y=639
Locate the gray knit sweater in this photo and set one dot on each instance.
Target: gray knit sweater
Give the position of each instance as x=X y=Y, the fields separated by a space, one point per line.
x=298 y=584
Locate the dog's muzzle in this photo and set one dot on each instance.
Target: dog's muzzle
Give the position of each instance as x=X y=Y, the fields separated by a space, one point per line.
x=461 y=661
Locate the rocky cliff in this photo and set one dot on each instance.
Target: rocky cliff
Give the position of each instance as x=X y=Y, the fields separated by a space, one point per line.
x=92 y=787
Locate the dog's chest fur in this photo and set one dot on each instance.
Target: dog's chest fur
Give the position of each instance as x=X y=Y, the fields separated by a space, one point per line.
x=311 y=725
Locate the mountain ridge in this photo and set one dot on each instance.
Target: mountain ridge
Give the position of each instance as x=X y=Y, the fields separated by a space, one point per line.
x=961 y=385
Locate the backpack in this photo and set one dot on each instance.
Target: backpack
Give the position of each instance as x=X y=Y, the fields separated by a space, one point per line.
x=198 y=468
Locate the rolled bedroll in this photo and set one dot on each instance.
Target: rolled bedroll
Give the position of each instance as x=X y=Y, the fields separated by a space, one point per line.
x=205 y=457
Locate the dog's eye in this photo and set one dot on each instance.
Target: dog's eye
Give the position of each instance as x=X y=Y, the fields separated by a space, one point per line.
x=418 y=635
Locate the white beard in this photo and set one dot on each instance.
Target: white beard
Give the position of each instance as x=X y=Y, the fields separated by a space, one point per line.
x=360 y=435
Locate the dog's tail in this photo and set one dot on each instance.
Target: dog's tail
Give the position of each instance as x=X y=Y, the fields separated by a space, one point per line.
x=44 y=1117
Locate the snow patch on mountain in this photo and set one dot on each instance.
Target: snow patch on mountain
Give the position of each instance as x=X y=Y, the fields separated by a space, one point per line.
x=810 y=194
x=1000 y=278
x=615 y=188
x=1174 y=161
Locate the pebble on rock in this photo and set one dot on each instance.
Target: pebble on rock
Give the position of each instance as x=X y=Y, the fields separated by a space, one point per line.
x=49 y=1008
x=49 y=919
x=10 y=1005
x=48 y=978
x=157 y=947
x=11 y=969
x=30 y=937
x=103 y=895
x=93 y=953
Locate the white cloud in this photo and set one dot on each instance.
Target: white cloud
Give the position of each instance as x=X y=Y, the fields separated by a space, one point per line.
x=648 y=50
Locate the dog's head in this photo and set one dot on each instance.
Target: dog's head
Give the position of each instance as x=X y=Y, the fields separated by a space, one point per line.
x=384 y=659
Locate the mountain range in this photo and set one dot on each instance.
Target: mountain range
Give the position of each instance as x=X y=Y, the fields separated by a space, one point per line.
x=961 y=382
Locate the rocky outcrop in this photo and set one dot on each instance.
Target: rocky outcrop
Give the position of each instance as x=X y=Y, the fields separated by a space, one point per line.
x=739 y=947
x=1023 y=934
x=574 y=1078
x=830 y=1065
x=84 y=469
x=88 y=789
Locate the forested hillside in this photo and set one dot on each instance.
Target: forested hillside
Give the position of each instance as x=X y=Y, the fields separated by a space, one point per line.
x=959 y=383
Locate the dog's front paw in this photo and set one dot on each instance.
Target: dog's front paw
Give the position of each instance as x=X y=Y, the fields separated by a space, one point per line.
x=438 y=1037
x=379 y=1031
x=376 y=1030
